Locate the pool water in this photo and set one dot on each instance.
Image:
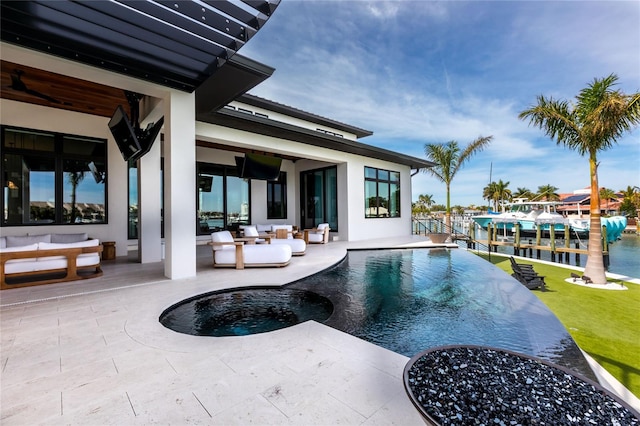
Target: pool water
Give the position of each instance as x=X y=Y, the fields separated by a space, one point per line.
x=405 y=300
x=410 y=300
x=245 y=311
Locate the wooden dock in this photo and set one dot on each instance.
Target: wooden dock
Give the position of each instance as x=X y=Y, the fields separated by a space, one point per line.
x=520 y=248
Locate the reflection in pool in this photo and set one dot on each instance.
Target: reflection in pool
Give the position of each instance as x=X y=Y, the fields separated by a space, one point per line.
x=405 y=300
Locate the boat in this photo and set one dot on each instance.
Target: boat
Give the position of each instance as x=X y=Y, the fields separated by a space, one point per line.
x=530 y=215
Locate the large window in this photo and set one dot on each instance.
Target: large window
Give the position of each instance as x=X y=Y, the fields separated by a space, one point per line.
x=52 y=178
x=223 y=198
x=381 y=193
x=277 y=197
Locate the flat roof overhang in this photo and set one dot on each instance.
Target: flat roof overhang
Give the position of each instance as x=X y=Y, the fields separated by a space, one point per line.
x=264 y=126
x=176 y=44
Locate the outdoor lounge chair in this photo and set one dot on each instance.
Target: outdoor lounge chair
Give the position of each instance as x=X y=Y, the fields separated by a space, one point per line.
x=230 y=253
x=527 y=276
x=318 y=235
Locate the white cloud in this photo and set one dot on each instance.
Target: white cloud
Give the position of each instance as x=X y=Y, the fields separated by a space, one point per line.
x=418 y=72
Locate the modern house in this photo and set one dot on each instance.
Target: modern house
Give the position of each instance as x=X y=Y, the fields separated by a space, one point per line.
x=66 y=67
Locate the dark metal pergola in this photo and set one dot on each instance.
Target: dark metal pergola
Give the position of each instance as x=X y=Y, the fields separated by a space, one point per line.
x=177 y=44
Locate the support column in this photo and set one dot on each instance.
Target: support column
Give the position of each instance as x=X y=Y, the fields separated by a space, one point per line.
x=149 y=206
x=180 y=185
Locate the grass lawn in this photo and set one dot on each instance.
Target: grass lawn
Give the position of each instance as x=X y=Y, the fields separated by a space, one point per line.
x=604 y=323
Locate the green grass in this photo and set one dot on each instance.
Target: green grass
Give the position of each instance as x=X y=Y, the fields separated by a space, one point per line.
x=604 y=323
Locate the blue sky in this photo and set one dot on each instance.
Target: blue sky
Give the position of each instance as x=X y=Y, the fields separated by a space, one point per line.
x=417 y=72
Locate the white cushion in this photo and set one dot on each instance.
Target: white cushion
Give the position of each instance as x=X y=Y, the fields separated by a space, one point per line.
x=50 y=262
x=222 y=237
x=15 y=266
x=263 y=227
x=318 y=236
x=24 y=240
x=3 y=242
x=78 y=244
x=29 y=247
x=88 y=259
x=298 y=246
x=250 y=231
x=69 y=238
x=43 y=247
x=256 y=254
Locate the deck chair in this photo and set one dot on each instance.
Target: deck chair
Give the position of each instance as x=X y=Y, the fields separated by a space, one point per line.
x=236 y=254
x=527 y=276
x=317 y=235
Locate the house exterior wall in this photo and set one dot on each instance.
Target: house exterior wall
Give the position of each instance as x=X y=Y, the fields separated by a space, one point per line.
x=352 y=224
x=276 y=116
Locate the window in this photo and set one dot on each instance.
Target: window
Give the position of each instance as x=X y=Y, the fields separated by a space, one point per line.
x=132 y=229
x=381 y=193
x=319 y=197
x=223 y=198
x=277 y=197
x=52 y=178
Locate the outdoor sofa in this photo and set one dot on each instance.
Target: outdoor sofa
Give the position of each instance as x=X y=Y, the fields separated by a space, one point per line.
x=239 y=254
x=48 y=258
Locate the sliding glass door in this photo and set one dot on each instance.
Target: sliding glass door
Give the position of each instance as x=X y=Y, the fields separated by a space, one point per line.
x=319 y=198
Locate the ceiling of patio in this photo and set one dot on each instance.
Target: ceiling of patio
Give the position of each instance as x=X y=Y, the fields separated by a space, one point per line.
x=179 y=45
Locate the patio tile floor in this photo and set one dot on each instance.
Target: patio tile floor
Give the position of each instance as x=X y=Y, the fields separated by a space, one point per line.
x=93 y=352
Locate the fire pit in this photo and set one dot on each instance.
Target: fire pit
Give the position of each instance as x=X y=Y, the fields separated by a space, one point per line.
x=467 y=385
x=438 y=238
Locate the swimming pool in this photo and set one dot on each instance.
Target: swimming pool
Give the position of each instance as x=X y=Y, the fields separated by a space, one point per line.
x=408 y=300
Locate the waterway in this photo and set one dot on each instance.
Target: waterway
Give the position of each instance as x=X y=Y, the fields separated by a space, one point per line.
x=624 y=254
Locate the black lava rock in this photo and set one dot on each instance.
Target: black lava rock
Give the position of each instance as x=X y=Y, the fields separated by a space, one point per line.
x=486 y=386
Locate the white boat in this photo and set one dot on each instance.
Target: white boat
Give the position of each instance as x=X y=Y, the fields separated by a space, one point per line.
x=529 y=214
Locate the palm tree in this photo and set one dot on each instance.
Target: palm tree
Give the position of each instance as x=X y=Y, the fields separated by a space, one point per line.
x=498 y=193
x=548 y=193
x=523 y=193
x=488 y=194
x=503 y=193
x=449 y=160
x=75 y=176
x=600 y=116
x=423 y=204
x=630 y=201
x=607 y=194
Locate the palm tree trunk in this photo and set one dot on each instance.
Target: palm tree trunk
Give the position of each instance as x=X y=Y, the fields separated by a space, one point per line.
x=447 y=215
x=594 y=268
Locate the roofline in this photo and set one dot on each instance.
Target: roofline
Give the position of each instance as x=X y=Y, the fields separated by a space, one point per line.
x=303 y=115
x=264 y=126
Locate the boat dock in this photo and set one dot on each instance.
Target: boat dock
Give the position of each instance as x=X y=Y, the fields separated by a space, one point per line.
x=527 y=249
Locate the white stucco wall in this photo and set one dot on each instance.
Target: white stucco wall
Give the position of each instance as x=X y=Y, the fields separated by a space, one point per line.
x=352 y=225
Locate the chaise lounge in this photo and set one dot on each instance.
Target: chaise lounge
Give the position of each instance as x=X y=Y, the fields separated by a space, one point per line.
x=527 y=275
x=230 y=253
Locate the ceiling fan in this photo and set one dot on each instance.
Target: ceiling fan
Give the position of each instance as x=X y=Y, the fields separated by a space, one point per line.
x=19 y=85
